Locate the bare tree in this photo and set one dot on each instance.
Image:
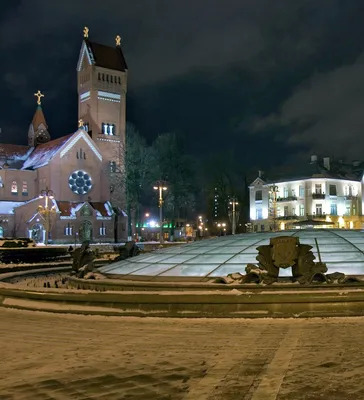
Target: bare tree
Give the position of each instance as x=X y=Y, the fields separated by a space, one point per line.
x=129 y=174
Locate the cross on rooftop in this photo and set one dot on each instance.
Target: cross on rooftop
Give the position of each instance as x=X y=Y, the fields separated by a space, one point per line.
x=39 y=95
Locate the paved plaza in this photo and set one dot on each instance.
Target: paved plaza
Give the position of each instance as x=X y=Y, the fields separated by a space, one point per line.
x=64 y=357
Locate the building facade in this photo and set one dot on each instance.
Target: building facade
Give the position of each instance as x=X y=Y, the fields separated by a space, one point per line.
x=60 y=190
x=331 y=196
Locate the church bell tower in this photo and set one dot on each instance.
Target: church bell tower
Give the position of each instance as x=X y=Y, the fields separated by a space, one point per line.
x=102 y=87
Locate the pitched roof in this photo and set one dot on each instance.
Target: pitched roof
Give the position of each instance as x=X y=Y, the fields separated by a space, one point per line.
x=43 y=153
x=107 y=56
x=7 y=207
x=39 y=118
x=12 y=151
x=313 y=170
x=69 y=208
x=102 y=209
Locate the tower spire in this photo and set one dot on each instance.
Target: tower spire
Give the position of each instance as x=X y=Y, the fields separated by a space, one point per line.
x=38 y=129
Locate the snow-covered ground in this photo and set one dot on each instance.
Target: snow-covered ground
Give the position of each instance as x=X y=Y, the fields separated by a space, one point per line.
x=50 y=356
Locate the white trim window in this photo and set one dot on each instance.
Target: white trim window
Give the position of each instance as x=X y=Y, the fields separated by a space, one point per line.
x=108 y=129
x=102 y=230
x=68 y=230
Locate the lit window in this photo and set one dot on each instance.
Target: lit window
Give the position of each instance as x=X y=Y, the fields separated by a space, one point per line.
x=108 y=129
x=102 y=230
x=14 y=188
x=25 y=188
x=68 y=230
x=302 y=210
x=333 y=209
x=318 y=209
x=302 y=191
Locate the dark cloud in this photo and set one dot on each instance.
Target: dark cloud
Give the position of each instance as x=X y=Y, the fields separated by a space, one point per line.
x=204 y=68
x=324 y=113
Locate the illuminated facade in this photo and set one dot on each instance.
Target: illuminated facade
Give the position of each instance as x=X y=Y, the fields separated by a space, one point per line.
x=74 y=168
x=330 y=197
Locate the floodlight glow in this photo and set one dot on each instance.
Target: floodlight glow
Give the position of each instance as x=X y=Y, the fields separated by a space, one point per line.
x=152 y=224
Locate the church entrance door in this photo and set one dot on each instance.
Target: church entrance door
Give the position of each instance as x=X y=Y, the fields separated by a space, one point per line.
x=85 y=231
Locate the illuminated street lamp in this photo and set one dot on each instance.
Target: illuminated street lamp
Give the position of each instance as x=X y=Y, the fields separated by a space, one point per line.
x=160 y=188
x=46 y=211
x=233 y=225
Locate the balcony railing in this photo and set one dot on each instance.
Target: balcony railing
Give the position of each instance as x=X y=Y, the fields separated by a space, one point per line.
x=313 y=216
x=288 y=198
x=318 y=195
x=287 y=217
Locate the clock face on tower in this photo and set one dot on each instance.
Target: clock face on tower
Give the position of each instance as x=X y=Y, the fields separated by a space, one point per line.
x=80 y=182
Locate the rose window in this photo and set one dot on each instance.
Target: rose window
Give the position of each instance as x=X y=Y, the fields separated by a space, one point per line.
x=80 y=182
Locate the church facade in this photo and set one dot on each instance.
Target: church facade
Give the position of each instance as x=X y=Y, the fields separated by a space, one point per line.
x=60 y=191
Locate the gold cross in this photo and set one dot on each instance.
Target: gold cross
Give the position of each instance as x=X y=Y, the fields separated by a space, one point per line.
x=80 y=123
x=118 y=40
x=85 y=32
x=39 y=95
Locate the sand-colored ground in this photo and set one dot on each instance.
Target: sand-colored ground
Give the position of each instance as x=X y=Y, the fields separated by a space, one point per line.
x=64 y=357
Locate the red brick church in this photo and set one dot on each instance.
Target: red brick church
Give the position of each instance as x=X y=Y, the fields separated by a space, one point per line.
x=60 y=190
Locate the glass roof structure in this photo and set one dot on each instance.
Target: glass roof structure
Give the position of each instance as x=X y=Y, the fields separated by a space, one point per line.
x=341 y=250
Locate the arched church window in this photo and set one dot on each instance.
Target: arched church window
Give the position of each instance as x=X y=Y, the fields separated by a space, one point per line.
x=119 y=80
x=99 y=76
x=14 y=188
x=104 y=128
x=111 y=79
x=107 y=78
x=24 y=188
x=81 y=155
x=102 y=229
x=103 y=77
x=108 y=129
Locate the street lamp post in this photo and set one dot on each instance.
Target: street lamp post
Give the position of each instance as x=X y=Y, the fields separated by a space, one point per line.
x=160 y=188
x=46 y=211
x=273 y=191
x=233 y=222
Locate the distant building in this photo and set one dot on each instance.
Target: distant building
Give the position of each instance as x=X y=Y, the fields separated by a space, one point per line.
x=73 y=171
x=323 y=194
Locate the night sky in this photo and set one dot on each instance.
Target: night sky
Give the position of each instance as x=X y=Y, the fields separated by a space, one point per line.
x=264 y=81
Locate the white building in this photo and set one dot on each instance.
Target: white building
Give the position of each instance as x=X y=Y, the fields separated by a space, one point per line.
x=327 y=195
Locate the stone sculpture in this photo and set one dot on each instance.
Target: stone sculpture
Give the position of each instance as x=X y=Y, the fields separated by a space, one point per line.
x=83 y=259
x=130 y=249
x=286 y=252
